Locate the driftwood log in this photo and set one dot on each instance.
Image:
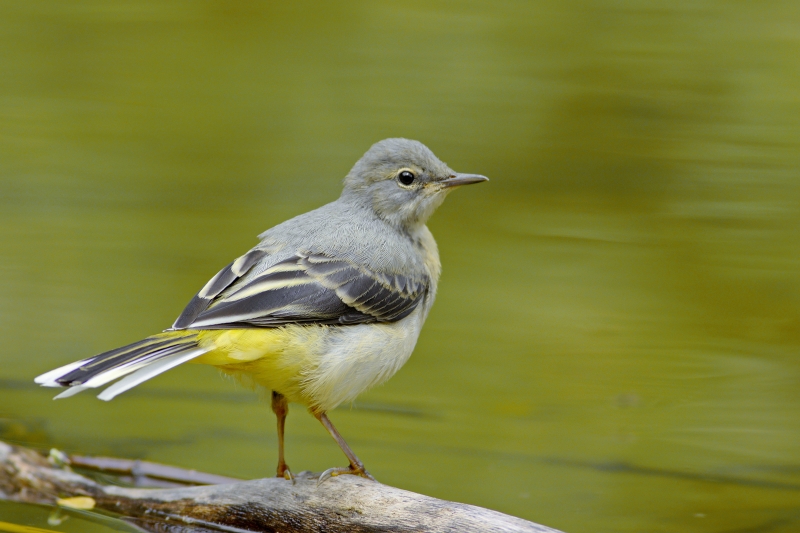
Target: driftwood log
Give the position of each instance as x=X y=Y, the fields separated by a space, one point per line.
x=343 y=503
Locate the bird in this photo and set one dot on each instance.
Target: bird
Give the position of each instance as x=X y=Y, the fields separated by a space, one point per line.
x=327 y=305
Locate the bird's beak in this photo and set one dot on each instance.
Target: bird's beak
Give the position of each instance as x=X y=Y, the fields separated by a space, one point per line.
x=463 y=179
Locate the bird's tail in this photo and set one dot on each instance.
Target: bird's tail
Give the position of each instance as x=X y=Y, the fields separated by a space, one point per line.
x=135 y=363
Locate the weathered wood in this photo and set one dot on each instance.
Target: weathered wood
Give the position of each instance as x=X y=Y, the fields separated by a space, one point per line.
x=145 y=473
x=340 y=504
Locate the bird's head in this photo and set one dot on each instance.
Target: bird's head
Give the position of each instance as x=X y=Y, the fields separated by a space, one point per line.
x=403 y=182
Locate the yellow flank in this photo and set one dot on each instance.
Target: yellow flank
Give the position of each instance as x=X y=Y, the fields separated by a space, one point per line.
x=276 y=358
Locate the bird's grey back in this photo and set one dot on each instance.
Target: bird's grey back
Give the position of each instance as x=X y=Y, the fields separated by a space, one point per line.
x=347 y=230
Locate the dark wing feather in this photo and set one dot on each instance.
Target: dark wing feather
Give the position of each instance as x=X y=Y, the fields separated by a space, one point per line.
x=385 y=298
x=304 y=289
x=216 y=285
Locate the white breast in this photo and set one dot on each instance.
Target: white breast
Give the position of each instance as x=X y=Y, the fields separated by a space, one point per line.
x=359 y=357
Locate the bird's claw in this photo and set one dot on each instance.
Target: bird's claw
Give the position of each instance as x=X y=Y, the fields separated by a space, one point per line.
x=341 y=470
x=286 y=474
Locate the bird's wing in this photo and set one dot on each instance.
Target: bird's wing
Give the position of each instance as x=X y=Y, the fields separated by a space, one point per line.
x=307 y=288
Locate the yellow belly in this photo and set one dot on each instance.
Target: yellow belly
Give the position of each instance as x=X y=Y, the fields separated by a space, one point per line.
x=278 y=359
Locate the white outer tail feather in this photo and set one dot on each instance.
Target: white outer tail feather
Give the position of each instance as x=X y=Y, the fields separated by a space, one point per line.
x=135 y=372
x=149 y=371
x=71 y=391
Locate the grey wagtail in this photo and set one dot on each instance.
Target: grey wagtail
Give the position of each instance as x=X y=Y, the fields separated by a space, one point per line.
x=327 y=305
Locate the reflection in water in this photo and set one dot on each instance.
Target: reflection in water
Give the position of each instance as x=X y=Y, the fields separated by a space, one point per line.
x=614 y=345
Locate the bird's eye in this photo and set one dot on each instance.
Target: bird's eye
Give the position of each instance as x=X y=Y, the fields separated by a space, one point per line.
x=406 y=177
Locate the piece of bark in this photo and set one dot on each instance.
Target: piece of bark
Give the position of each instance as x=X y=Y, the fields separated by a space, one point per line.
x=145 y=473
x=340 y=504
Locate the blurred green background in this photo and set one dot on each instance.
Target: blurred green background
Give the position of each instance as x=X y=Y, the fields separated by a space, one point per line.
x=615 y=343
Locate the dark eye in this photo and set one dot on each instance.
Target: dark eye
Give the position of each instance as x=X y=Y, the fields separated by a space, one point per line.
x=406 y=177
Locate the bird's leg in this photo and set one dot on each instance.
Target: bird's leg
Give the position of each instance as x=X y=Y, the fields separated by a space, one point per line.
x=281 y=408
x=356 y=466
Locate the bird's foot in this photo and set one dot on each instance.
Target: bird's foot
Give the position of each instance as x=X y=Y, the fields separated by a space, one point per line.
x=341 y=470
x=285 y=473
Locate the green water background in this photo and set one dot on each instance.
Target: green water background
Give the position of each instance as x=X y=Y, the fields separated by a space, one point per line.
x=614 y=347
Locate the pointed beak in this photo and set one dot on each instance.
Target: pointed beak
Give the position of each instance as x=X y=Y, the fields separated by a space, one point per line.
x=463 y=179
